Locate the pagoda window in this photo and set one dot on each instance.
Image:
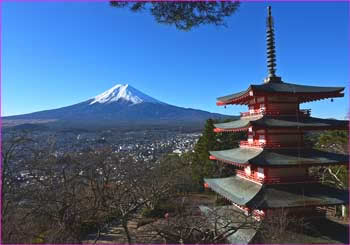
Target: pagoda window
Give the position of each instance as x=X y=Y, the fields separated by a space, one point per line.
x=247 y=171
x=262 y=107
x=261 y=173
x=250 y=138
x=262 y=139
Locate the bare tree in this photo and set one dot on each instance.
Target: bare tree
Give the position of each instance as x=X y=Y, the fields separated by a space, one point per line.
x=215 y=226
x=274 y=227
x=63 y=196
x=12 y=196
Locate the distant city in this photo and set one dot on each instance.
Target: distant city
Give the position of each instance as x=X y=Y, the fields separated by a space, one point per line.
x=143 y=146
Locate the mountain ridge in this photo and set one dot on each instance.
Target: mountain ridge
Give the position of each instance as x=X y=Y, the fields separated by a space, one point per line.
x=122 y=104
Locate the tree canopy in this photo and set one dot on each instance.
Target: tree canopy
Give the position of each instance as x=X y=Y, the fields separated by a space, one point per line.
x=210 y=141
x=184 y=15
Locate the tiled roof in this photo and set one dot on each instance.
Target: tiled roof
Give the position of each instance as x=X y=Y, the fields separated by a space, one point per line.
x=250 y=194
x=285 y=122
x=279 y=157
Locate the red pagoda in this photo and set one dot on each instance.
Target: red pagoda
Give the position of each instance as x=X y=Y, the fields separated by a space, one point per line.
x=272 y=166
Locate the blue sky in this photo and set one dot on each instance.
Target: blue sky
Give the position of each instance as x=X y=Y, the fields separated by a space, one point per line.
x=56 y=54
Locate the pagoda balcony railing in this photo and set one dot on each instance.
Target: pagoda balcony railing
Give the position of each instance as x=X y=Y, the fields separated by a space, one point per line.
x=269 y=144
x=247 y=114
x=278 y=180
x=292 y=179
x=251 y=144
x=303 y=113
x=251 y=176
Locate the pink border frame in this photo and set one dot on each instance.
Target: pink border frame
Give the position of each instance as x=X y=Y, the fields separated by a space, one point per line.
x=139 y=1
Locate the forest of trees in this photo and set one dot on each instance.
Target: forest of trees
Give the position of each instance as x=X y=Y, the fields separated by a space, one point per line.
x=75 y=194
x=81 y=193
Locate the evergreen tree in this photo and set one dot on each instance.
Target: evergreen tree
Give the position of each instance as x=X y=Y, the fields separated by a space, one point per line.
x=210 y=141
x=201 y=165
x=184 y=15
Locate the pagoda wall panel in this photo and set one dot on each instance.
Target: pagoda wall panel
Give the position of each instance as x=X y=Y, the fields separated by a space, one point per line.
x=281 y=131
x=257 y=102
x=255 y=107
x=260 y=131
x=260 y=99
x=284 y=138
x=296 y=211
x=287 y=172
x=283 y=107
x=282 y=99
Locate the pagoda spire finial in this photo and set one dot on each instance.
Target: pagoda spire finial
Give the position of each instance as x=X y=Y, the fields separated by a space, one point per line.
x=271 y=52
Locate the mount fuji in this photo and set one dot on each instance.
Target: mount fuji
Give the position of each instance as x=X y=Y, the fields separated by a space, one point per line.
x=120 y=105
x=123 y=93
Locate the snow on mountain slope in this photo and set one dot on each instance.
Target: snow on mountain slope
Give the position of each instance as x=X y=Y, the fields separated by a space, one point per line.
x=123 y=92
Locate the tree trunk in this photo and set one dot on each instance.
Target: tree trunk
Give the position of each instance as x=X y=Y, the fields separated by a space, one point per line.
x=126 y=229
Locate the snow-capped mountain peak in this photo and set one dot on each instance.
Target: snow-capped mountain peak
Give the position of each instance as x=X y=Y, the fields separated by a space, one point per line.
x=125 y=93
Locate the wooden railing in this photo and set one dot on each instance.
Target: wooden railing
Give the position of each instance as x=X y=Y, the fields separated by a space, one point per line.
x=269 y=144
x=306 y=112
x=247 y=114
x=254 y=143
x=303 y=113
x=278 y=180
x=251 y=176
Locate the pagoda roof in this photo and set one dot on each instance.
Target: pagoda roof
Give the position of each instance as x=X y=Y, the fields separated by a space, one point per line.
x=235 y=188
x=222 y=216
x=279 y=157
x=282 y=122
x=302 y=91
x=250 y=194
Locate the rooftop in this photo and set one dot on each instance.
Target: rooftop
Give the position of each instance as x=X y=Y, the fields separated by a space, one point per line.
x=303 y=92
x=247 y=193
x=283 y=122
x=279 y=157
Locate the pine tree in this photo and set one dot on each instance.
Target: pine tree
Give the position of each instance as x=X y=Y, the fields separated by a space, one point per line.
x=210 y=141
x=184 y=15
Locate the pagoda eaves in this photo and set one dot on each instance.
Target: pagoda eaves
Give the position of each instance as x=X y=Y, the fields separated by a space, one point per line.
x=245 y=156
x=302 y=92
x=257 y=196
x=286 y=122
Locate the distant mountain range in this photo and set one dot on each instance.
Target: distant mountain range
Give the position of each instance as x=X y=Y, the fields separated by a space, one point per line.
x=121 y=105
